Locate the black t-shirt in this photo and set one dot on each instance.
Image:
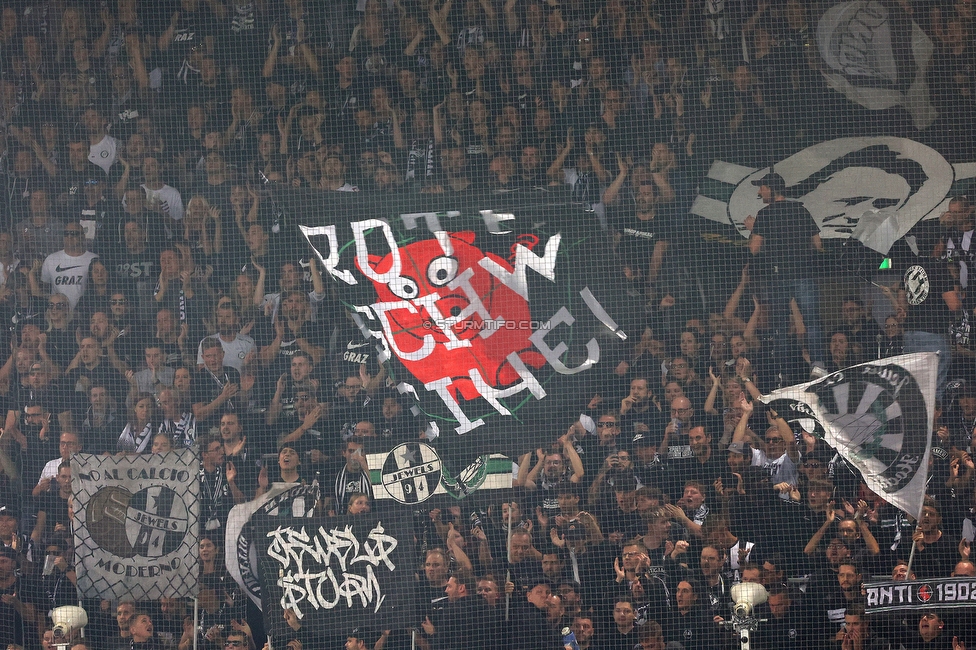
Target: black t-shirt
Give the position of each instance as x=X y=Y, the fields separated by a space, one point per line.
x=11 y=623
x=56 y=512
x=640 y=236
x=786 y=228
x=191 y=30
x=351 y=350
x=925 y=280
x=207 y=386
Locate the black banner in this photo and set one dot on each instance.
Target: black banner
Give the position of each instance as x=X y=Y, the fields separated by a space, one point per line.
x=920 y=594
x=335 y=574
x=497 y=318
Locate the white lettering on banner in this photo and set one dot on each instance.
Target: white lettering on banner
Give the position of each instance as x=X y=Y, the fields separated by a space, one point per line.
x=319 y=569
x=525 y=258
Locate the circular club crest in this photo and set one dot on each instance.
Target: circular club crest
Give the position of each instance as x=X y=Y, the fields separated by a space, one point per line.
x=882 y=410
x=917 y=285
x=411 y=472
x=149 y=523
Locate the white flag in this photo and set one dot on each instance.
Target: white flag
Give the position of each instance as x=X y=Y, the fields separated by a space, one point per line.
x=877 y=56
x=135 y=525
x=878 y=416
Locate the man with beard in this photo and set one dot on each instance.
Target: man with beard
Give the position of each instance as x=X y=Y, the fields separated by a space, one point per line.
x=294 y=331
x=289 y=384
x=238 y=348
x=935 y=552
x=216 y=386
x=87 y=369
x=553 y=469
x=716 y=583
x=703 y=465
x=309 y=427
x=827 y=599
x=638 y=412
x=349 y=474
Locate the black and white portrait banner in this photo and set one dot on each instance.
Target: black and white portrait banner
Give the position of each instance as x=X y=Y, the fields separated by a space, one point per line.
x=878 y=416
x=335 y=574
x=135 y=526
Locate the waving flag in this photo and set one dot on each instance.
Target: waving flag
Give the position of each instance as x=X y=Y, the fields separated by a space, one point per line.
x=495 y=319
x=878 y=416
x=877 y=56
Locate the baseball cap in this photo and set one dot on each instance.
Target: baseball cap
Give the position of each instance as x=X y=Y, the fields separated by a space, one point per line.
x=9 y=511
x=773 y=181
x=741 y=448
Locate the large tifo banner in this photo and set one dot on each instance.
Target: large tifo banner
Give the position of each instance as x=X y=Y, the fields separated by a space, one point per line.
x=496 y=319
x=878 y=416
x=136 y=525
x=877 y=56
x=336 y=574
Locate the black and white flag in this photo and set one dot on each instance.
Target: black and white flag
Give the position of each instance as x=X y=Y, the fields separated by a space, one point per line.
x=878 y=416
x=241 y=555
x=135 y=526
x=335 y=574
x=876 y=55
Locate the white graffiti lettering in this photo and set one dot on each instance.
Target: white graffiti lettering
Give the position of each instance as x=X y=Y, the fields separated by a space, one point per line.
x=325 y=568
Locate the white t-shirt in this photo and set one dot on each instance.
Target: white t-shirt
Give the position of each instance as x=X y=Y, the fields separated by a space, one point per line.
x=104 y=154
x=50 y=469
x=781 y=470
x=167 y=198
x=67 y=275
x=234 y=351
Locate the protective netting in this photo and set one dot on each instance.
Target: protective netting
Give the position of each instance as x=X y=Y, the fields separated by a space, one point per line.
x=429 y=324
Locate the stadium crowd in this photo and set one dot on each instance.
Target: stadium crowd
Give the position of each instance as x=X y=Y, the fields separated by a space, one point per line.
x=151 y=300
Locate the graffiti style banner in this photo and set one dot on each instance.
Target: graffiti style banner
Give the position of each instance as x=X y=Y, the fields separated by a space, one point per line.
x=919 y=594
x=281 y=500
x=335 y=574
x=136 y=525
x=496 y=321
x=878 y=416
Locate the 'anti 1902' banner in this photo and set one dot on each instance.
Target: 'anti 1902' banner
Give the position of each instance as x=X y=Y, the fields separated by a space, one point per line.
x=136 y=525
x=333 y=575
x=496 y=320
x=920 y=594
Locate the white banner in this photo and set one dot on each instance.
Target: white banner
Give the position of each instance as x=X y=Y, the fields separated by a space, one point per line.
x=878 y=416
x=877 y=56
x=136 y=525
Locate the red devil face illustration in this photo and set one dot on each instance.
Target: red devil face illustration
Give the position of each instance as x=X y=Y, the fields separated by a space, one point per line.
x=445 y=315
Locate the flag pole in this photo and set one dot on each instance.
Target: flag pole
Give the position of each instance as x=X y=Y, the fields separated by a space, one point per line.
x=508 y=571
x=911 y=554
x=196 y=621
